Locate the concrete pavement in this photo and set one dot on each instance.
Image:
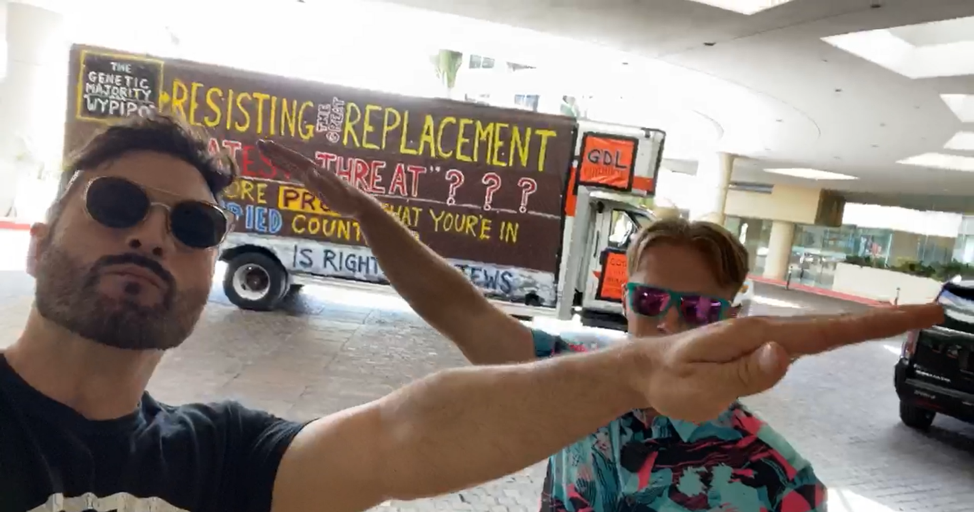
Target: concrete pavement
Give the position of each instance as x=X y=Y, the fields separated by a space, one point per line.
x=331 y=349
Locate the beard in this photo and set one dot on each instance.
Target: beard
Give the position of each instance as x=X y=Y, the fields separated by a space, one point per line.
x=67 y=295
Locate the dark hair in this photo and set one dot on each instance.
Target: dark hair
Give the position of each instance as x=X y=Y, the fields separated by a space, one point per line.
x=161 y=133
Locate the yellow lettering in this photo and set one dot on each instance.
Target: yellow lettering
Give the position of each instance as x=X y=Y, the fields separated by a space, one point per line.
x=437 y=219
x=233 y=191
x=461 y=140
x=486 y=134
x=350 y=122
x=261 y=98
x=289 y=118
x=247 y=191
x=343 y=231
x=468 y=225
x=193 y=103
x=273 y=114
x=214 y=107
x=498 y=144
x=243 y=110
x=544 y=134
x=519 y=146
x=509 y=232
x=485 y=229
x=179 y=96
x=387 y=126
x=305 y=130
x=261 y=190
x=294 y=224
x=405 y=136
x=439 y=137
x=427 y=137
x=230 y=104
x=367 y=127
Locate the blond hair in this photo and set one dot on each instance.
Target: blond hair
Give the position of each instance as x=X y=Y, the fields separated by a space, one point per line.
x=726 y=255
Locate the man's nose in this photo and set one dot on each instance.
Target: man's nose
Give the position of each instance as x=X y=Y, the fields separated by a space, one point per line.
x=152 y=236
x=671 y=322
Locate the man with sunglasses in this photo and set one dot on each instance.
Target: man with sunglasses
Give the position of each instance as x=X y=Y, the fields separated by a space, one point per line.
x=123 y=268
x=682 y=275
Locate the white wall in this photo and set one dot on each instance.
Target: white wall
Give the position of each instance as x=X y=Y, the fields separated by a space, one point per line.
x=881 y=285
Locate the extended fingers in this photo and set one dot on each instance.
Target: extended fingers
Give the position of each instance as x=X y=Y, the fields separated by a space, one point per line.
x=286 y=158
x=803 y=335
x=812 y=335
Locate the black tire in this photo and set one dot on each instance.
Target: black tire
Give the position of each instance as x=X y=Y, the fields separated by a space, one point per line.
x=915 y=417
x=255 y=281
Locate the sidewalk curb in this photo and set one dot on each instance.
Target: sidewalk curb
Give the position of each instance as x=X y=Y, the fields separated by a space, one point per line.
x=13 y=225
x=820 y=291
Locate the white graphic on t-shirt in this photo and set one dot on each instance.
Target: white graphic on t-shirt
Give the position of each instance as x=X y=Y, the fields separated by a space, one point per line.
x=119 y=502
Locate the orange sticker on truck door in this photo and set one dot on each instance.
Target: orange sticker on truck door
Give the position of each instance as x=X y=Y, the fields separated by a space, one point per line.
x=613 y=277
x=607 y=161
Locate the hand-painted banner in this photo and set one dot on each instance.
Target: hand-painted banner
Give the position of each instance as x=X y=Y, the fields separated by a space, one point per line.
x=357 y=263
x=475 y=183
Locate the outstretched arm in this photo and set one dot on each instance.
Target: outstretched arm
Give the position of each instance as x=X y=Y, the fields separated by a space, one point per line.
x=436 y=290
x=463 y=427
x=443 y=296
x=453 y=430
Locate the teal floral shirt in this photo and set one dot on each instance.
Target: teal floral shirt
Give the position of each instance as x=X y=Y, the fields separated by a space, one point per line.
x=643 y=462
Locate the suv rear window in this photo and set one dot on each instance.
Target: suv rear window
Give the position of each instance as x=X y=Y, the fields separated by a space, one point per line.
x=958 y=303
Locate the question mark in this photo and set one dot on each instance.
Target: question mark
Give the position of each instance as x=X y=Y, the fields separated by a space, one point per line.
x=493 y=182
x=529 y=186
x=455 y=178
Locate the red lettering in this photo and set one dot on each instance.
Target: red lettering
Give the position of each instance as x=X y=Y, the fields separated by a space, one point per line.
x=213 y=147
x=344 y=168
x=398 y=185
x=362 y=179
x=375 y=184
x=416 y=170
x=247 y=162
x=325 y=159
x=233 y=146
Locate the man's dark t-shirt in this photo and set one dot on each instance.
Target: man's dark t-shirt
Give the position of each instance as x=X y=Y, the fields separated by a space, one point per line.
x=198 y=458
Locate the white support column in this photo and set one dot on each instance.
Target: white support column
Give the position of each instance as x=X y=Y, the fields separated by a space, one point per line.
x=713 y=179
x=25 y=124
x=779 y=250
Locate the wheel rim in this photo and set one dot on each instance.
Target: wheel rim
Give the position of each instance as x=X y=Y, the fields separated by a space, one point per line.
x=251 y=282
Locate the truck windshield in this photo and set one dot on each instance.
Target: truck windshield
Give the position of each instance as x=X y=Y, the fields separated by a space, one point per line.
x=958 y=303
x=641 y=219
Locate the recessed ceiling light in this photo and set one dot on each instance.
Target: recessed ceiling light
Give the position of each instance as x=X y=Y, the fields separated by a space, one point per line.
x=746 y=7
x=962 y=105
x=811 y=174
x=941 y=161
x=961 y=141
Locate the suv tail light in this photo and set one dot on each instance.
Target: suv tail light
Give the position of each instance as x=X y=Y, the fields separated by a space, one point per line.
x=910 y=344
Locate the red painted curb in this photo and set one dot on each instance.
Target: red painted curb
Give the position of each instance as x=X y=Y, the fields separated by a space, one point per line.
x=819 y=291
x=14 y=225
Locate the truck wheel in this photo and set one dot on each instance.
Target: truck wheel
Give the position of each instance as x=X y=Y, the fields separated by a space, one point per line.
x=915 y=417
x=255 y=281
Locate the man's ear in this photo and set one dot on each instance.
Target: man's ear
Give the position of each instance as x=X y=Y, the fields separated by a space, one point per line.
x=38 y=242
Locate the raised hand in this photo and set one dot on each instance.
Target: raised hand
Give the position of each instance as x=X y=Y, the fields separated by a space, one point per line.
x=334 y=192
x=697 y=374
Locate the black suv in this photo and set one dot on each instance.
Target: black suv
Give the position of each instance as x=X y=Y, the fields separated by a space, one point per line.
x=935 y=373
